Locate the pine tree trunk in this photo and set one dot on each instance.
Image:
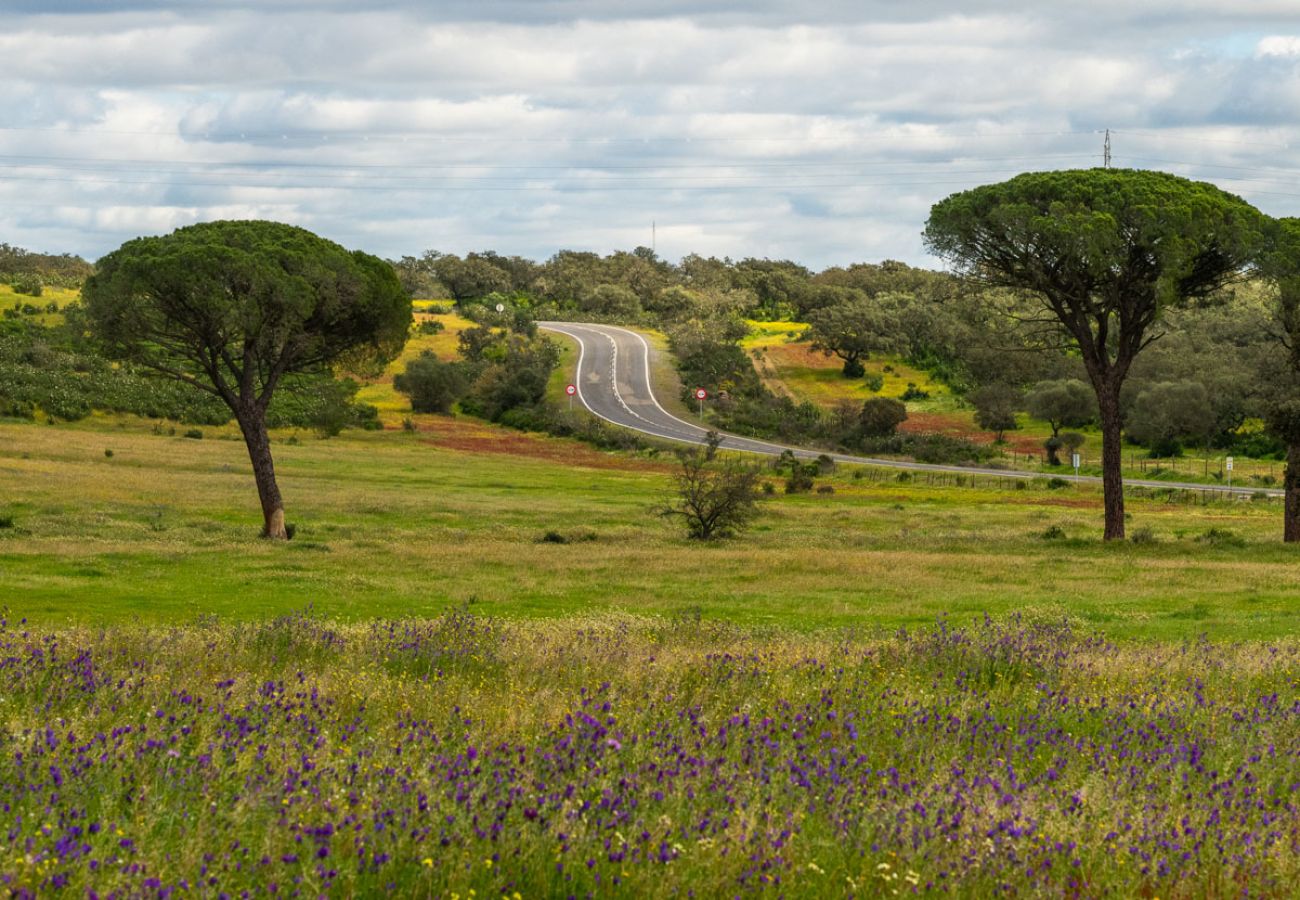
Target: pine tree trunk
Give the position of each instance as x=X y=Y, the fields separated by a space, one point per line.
x=1112 y=462
x=253 y=424
x=1291 y=480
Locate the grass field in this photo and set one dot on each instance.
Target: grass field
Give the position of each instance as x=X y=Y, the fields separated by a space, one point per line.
x=404 y=523
x=485 y=667
x=788 y=365
x=61 y=297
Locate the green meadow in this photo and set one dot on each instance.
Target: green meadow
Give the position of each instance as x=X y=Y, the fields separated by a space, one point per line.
x=411 y=523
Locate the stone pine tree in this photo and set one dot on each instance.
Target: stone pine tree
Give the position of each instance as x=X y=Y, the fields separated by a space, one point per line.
x=1281 y=264
x=1105 y=252
x=233 y=307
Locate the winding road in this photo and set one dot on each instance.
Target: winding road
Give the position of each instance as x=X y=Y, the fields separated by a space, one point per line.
x=614 y=383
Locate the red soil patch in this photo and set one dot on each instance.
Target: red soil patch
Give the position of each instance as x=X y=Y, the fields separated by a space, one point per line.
x=954 y=426
x=802 y=355
x=471 y=437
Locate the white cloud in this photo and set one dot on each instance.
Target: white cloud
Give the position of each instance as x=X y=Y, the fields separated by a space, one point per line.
x=1278 y=45
x=819 y=131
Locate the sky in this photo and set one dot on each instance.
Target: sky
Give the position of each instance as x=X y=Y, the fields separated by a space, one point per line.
x=820 y=132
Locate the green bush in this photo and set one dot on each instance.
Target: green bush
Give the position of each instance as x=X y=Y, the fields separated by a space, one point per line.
x=1220 y=537
x=432 y=385
x=39 y=370
x=28 y=283
x=517 y=376
x=1143 y=536
x=927 y=448
x=800 y=480
x=881 y=416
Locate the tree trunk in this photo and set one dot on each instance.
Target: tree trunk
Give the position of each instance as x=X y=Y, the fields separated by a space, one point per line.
x=1112 y=462
x=1291 y=480
x=253 y=424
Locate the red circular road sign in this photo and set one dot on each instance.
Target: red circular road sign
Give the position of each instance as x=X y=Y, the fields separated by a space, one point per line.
x=701 y=393
x=571 y=390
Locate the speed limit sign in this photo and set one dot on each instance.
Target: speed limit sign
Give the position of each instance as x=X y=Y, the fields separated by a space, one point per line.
x=571 y=390
x=701 y=393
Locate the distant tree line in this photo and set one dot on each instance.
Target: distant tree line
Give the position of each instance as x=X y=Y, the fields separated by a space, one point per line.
x=28 y=272
x=973 y=337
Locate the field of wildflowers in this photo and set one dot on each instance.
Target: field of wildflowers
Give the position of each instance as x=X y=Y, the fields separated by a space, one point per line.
x=616 y=756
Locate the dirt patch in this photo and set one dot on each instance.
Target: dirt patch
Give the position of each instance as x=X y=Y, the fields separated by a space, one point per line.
x=475 y=437
x=768 y=375
x=802 y=356
x=958 y=427
x=942 y=423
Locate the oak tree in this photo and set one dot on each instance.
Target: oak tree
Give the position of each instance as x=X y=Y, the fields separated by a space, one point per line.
x=854 y=329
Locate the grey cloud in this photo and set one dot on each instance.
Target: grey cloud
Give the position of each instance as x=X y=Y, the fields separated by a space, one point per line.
x=819 y=131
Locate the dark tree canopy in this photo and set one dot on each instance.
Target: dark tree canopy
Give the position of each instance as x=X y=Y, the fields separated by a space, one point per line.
x=995 y=407
x=1281 y=265
x=1066 y=402
x=1168 y=415
x=1104 y=251
x=854 y=329
x=881 y=416
x=233 y=307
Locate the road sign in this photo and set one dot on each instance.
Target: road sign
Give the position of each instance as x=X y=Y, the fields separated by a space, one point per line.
x=571 y=390
x=701 y=393
x=1074 y=461
x=501 y=307
x=1227 y=463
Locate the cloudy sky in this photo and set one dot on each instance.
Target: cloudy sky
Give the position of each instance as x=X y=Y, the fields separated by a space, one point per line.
x=814 y=131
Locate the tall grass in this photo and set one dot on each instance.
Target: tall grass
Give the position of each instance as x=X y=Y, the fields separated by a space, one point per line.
x=635 y=757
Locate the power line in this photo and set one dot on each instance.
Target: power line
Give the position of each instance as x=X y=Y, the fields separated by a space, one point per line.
x=589 y=179
x=1168 y=136
x=302 y=164
x=553 y=186
x=367 y=134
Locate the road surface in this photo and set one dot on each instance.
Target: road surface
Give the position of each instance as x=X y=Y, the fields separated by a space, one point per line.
x=613 y=381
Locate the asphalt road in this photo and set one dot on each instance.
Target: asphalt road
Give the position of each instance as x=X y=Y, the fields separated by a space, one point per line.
x=613 y=382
